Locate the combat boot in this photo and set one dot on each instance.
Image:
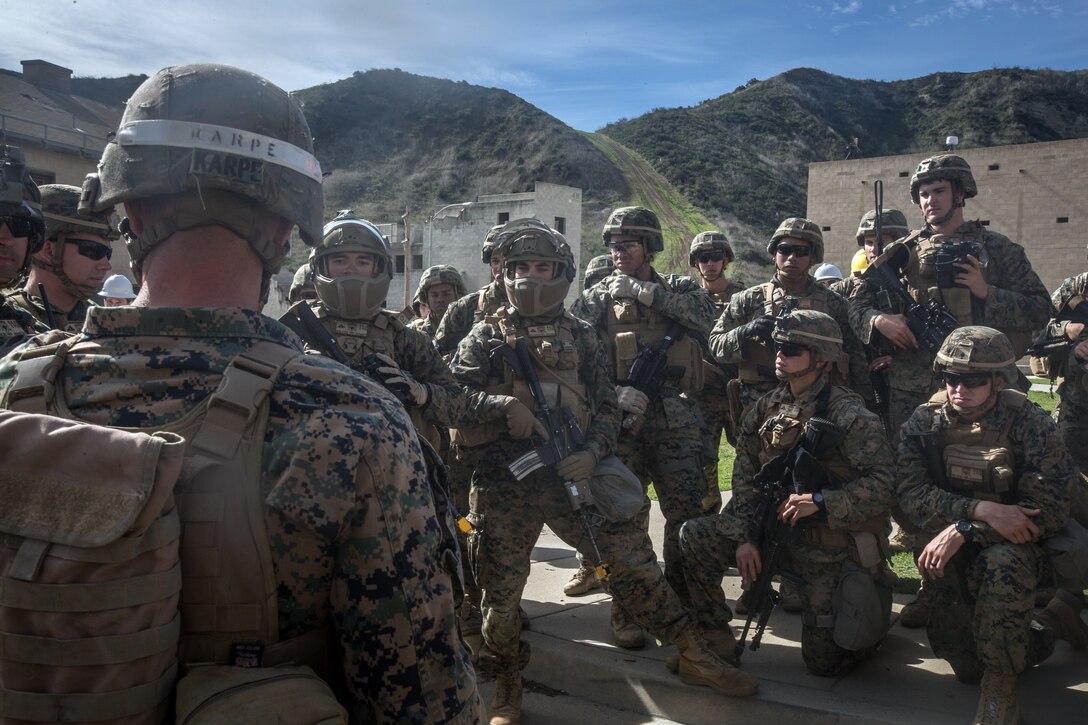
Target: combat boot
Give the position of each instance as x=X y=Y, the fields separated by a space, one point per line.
x=470 y=622
x=997 y=702
x=916 y=614
x=1062 y=616
x=700 y=666
x=506 y=705
x=625 y=633
x=722 y=642
x=583 y=582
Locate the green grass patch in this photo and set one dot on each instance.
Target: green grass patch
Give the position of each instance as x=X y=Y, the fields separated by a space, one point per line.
x=1045 y=399
x=909 y=578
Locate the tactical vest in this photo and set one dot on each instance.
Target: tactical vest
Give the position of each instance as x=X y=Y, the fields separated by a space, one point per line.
x=979 y=462
x=20 y=298
x=358 y=338
x=758 y=364
x=228 y=586
x=921 y=274
x=714 y=377
x=630 y=325
x=558 y=363
x=486 y=304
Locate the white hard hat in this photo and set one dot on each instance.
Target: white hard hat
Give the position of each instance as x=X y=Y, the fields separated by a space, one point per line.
x=117 y=285
x=827 y=271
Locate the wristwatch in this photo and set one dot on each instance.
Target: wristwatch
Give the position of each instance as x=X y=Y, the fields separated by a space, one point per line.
x=818 y=499
x=967 y=529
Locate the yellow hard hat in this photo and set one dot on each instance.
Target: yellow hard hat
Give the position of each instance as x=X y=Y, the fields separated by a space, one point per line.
x=859 y=263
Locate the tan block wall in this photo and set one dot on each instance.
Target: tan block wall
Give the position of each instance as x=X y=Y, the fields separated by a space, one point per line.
x=1032 y=186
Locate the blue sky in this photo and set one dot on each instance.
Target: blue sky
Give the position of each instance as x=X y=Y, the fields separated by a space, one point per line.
x=587 y=62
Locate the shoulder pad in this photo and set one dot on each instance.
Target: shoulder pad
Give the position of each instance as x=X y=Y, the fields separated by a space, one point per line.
x=1012 y=398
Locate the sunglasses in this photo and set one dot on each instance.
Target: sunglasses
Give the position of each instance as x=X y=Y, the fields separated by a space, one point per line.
x=797 y=250
x=92 y=249
x=18 y=226
x=789 y=349
x=971 y=380
x=711 y=257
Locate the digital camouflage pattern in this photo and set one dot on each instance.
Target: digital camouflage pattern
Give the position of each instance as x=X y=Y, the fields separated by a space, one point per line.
x=462 y=314
x=70 y=321
x=727 y=346
x=425 y=325
x=799 y=228
x=509 y=514
x=943 y=166
x=715 y=407
x=438 y=274
x=1018 y=305
x=60 y=207
x=709 y=544
x=997 y=633
x=15 y=324
x=598 y=268
x=349 y=511
x=668 y=448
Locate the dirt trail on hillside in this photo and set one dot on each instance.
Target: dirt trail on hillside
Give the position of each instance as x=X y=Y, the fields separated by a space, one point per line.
x=639 y=172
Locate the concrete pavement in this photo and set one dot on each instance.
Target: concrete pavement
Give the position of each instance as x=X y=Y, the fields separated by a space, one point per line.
x=576 y=675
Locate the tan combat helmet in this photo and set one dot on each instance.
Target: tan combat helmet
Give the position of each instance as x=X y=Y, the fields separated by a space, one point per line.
x=799 y=228
x=228 y=147
x=709 y=241
x=60 y=207
x=812 y=330
x=598 y=268
x=527 y=240
x=352 y=296
x=20 y=201
x=636 y=221
x=488 y=247
x=944 y=166
x=438 y=274
x=977 y=349
x=302 y=281
x=892 y=221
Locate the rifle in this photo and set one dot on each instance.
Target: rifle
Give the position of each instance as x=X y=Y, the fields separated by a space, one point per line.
x=1072 y=311
x=49 y=316
x=564 y=438
x=879 y=378
x=789 y=304
x=651 y=368
x=930 y=323
x=795 y=471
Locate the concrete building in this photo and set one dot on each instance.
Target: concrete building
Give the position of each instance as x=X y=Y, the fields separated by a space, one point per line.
x=61 y=134
x=453 y=234
x=1036 y=194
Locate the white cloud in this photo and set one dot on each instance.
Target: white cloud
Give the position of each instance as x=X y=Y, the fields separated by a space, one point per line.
x=848 y=9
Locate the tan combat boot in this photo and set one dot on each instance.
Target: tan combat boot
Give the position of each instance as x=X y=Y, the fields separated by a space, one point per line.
x=625 y=633
x=722 y=642
x=1062 y=616
x=583 y=582
x=506 y=705
x=916 y=614
x=469 y=622
x=700 y=666
x=997 y=702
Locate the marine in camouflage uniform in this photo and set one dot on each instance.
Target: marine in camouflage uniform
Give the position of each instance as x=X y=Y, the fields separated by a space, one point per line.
x=597 y=269
x=1007 y=479
x=350 y=516
x=1073 y=385
x=435 y=286
x=712 y=256
x=508 y=514
x=73 y=262
x=631 y=308
x=742 y=334
x=22 y=233
x=995 y=286
x=302 y=285
x=349 y=307
x=842 y=522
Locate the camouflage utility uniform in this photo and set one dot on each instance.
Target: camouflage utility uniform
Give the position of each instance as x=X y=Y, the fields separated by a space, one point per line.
x=850 y=534
x=348 y=507
x=466 y=312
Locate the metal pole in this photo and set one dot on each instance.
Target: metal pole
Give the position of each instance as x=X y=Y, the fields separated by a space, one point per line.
x=407 y=258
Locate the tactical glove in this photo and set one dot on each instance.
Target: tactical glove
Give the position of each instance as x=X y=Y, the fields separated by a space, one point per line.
x=622 y=286
x=632 y=400
x=520 y=420
x=760 y=328
x=401 y=381
x=577 y=466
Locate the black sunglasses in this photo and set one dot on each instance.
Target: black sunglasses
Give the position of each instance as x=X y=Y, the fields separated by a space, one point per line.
x=92 y=249
x=970 y=380
x=797 y=250
x=789 y=349
x=711 y=257
x=18 y=226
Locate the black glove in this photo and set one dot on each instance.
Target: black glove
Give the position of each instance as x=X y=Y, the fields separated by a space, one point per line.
x=809 y=474
x=760 y=328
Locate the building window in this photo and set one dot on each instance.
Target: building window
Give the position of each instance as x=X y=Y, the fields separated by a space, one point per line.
x=1063 y=220
x=826 y=229
x=504 y=216
x=993 y=167
x=43 y=177
x=561 y=225
x=417 y=262
x=904 y=174
x=984 y=222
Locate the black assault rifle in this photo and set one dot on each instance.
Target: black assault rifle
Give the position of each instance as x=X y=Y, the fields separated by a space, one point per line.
x=1073 y=310
x=796 y=471
x=930 y=323
x=564 y=438
x=650 y=369
x=879 y=378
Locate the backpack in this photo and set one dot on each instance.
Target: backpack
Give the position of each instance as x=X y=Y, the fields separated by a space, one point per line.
x=227 y=609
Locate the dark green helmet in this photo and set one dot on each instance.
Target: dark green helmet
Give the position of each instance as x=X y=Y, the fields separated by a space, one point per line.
x=944 y=166
x=977 y=349
x=812 y=330
x=527 y=242
x=892 y=221
x=708 y=242
x=352 y=296
x=60 y=206
x=21 y=199
x=438 y=274
x=598 y=268
x=489 y=243
x=636 y=221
